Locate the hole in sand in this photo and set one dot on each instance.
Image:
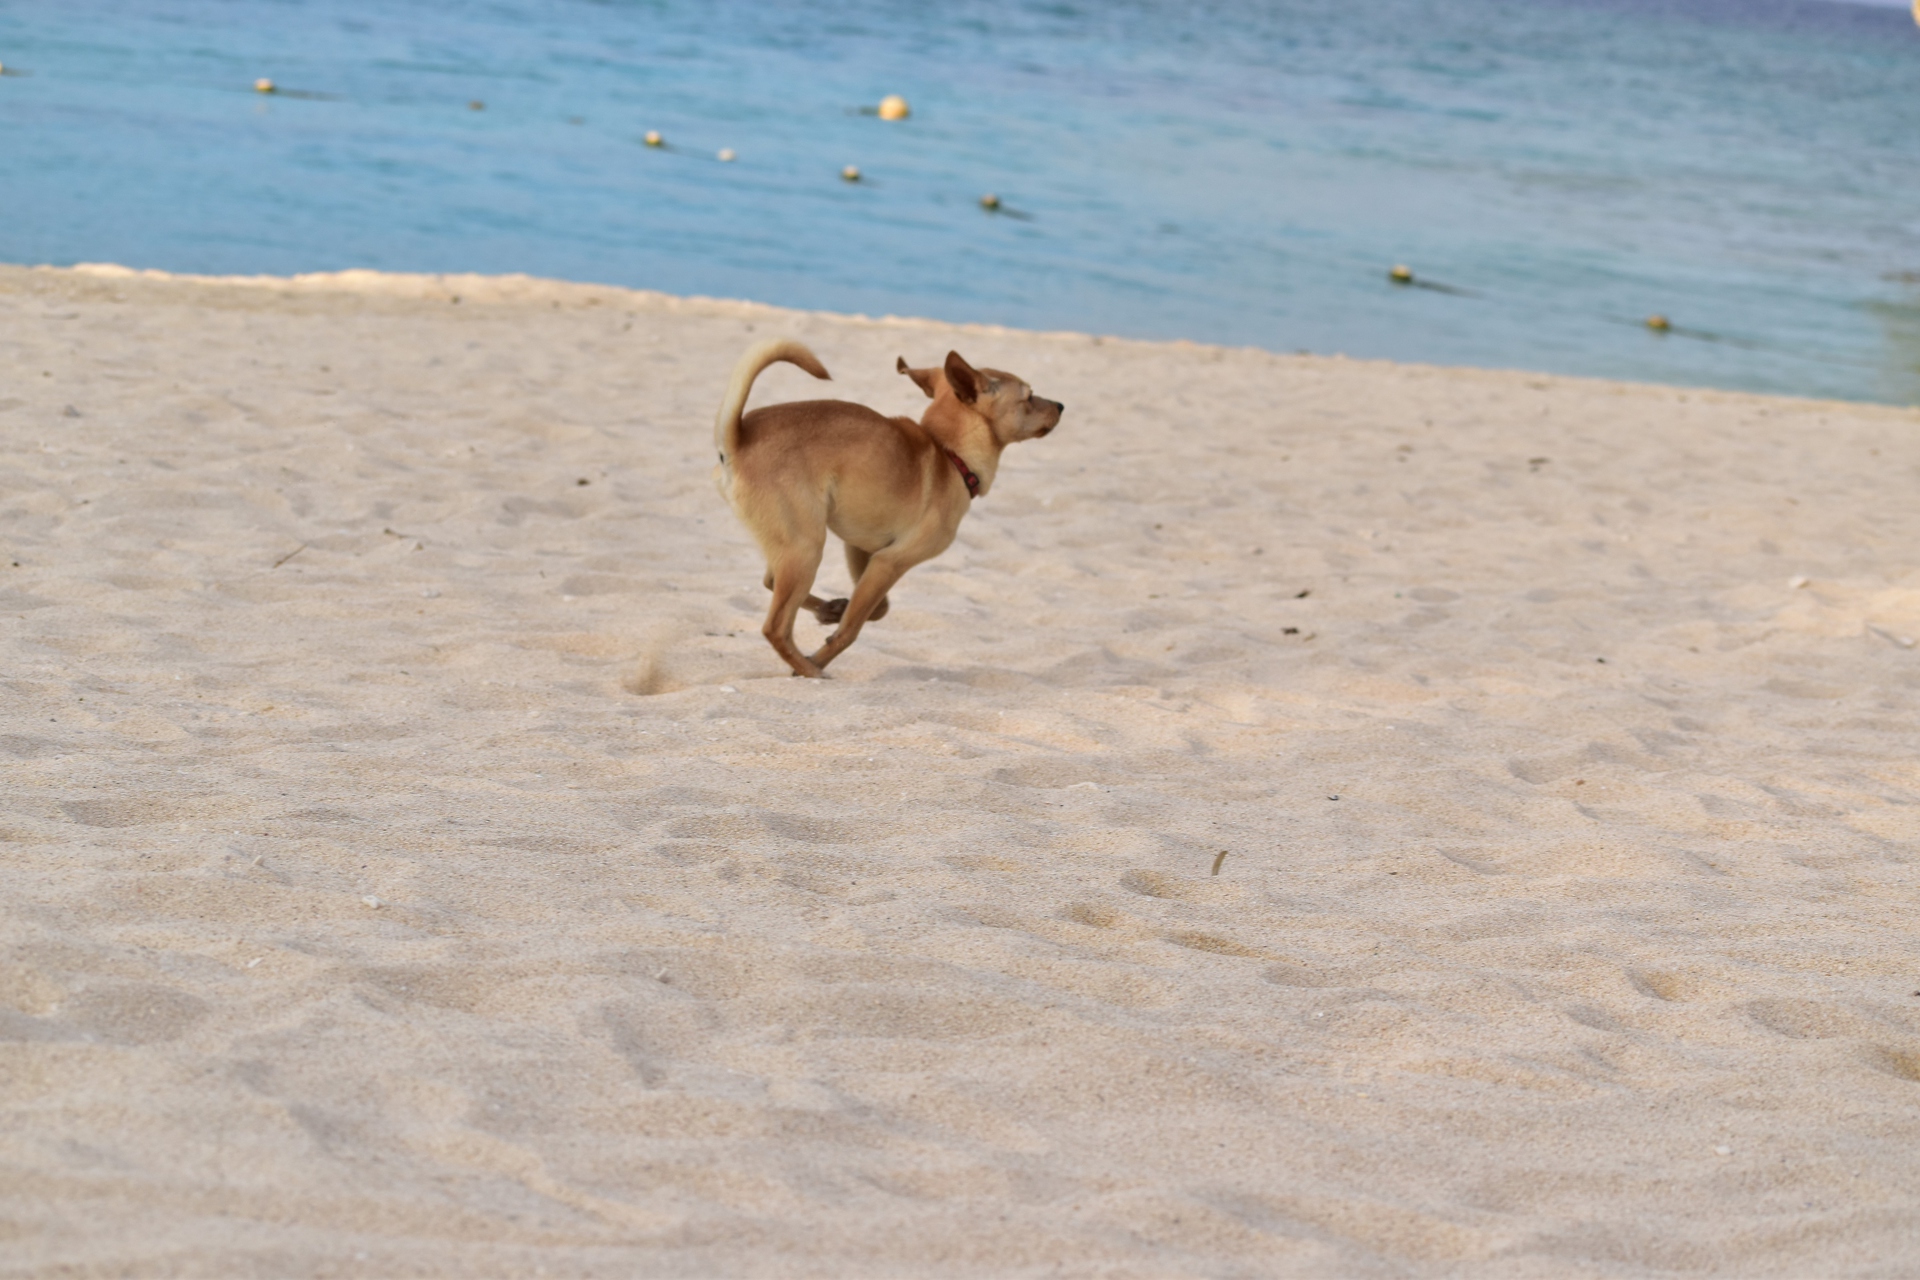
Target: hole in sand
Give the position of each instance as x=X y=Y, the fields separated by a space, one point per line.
x=1806 y=1019
x=1151 y=884
x=1089 y=913
x=1212 y=942
x=1904 y=1063
x=1667 y=985
x=1293 y=975
x=985 y=862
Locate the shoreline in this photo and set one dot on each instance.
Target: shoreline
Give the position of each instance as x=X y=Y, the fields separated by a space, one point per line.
x=417 y=862
x=518 y=288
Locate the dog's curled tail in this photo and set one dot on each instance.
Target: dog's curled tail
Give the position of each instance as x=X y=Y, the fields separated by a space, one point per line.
x=726 y=426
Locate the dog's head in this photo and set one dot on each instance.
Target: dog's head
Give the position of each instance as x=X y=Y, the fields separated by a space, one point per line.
x=1004 y=400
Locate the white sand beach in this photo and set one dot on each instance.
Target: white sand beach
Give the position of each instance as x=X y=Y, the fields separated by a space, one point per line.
x=416 y=862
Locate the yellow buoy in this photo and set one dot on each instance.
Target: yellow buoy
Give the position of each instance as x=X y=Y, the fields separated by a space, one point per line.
x=894 y=107
x=1659 y=323
x=1401 y=274
x=990 y=202
x=851 y=173
x=653 y=138
x=725 y=155
x=264 y=85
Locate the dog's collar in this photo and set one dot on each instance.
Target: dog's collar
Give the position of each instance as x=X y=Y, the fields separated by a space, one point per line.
x=966 y=473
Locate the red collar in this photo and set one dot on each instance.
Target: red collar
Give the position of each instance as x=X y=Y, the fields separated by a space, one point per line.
x=966 y=473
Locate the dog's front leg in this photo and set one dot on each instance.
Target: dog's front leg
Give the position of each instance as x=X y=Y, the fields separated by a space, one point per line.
x=882 y=572
x=857 y=559
x=831 y=611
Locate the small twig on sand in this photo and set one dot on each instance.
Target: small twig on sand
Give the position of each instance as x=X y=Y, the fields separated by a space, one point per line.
x=1219 y=858
x=290 y=555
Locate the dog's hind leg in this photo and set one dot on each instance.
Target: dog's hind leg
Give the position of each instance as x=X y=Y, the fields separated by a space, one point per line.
x=813 y=604
x=791 y=578
x=825 y=610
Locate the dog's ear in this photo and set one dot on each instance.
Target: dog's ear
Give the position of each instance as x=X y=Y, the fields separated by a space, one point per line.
x=928 y=380
x=961 y=377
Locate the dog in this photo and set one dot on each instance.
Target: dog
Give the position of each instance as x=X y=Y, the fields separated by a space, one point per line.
x=893 y=489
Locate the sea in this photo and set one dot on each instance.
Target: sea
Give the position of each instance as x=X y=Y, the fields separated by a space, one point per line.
x=1551 y=173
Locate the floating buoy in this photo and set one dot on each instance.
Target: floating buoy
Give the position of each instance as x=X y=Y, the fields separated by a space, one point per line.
x=653 y=138
x=1659 y=323
x=990 y=202
x=1401 y=274
x=894 y=107
x=263 y=85
x=851 y=173
x=476 y=105
x=725 y=155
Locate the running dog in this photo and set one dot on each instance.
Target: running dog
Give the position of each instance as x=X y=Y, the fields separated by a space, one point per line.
x=893 y=489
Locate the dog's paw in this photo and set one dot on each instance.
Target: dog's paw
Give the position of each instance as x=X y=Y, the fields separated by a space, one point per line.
x=831 y=611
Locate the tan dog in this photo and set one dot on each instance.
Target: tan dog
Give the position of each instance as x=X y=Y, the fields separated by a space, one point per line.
x=893 y=489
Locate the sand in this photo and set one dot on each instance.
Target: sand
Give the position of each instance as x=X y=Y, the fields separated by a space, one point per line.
x=415 y=861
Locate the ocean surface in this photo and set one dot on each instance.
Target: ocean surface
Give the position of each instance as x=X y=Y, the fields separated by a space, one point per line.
x=1225 y=171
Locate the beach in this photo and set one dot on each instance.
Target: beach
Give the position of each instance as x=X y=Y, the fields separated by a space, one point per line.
x=417 y=863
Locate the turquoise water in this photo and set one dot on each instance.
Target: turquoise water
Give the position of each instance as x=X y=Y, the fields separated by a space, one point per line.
x=1227 y=172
